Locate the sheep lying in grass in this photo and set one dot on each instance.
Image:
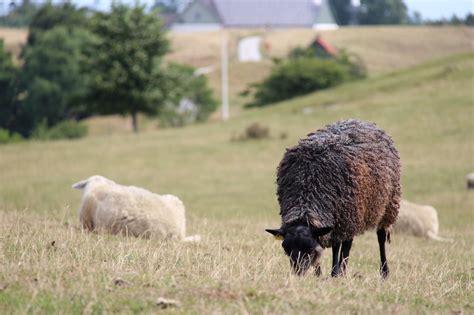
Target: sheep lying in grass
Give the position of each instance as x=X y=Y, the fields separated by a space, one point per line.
x=418 y=220
x=110 y=207
x=335 y=184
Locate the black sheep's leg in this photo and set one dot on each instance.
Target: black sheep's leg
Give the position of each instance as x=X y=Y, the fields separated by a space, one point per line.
x=382 y=237
x=336 y=247
x=344 y=257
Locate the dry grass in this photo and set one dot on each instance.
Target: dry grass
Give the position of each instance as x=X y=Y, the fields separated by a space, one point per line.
x=229 y=191
x=383 y=49
x=50 y=266
x=387 y=48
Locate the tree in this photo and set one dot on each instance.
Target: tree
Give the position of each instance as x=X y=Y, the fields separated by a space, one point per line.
x=19 y=16
x=51 y=79
x=50 y=16
x=469 y=19
x=52 y=76
x=187 y=97
x=383 y=12
x=416 y=18
x=295 y=77
x=124 y=62
x=166 y=6
x=306 y=71
x=342 y=10
x=455 y=20
x=8 y=89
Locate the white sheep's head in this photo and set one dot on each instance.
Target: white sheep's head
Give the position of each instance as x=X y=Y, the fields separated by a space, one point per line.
x=301 y=244
x=96 y=179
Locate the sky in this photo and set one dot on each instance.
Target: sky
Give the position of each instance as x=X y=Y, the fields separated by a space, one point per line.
x=429 y=9
x=436 y=9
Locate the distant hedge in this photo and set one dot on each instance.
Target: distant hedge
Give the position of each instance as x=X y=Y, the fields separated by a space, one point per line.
x=67 y=129
x=7 y=137
x=298 y=76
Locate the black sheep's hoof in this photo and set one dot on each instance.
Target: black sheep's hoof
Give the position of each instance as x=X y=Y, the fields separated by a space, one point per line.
x=384 y=271
x=335 y=273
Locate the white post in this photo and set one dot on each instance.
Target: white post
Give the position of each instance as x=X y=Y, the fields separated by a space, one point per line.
x=225 y=76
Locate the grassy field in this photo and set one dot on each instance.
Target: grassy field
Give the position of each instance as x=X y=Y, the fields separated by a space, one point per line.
x=48 y=265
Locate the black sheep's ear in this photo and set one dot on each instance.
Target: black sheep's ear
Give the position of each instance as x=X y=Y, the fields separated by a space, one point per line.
x=321 y=231
x=278 y=234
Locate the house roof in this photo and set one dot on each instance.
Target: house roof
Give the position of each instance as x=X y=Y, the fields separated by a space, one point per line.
x=258 y=13
x=330 y=49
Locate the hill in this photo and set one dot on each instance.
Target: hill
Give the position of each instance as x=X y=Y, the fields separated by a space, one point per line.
x=50 y=266
x=382 y=48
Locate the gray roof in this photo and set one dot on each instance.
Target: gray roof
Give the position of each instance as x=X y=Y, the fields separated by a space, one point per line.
x=258 y=13
x=266 y=12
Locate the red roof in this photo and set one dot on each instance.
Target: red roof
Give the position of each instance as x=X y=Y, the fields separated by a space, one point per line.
x=330 y=49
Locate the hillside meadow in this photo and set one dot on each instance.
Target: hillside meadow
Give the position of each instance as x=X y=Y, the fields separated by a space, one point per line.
x=383 y=49
x=49 y=265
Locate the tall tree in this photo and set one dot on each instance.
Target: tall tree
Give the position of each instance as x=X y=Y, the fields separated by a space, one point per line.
x=50 y=16
x=187 y=97
x=123 y=64
x=469 y=20
x=342 y=10
x=19 y=15
x=8 y=89
x=52 y=76
x=166 y=6
x=383 y=12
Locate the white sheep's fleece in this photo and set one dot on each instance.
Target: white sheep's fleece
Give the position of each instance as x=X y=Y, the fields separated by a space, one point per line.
x=418 y=220
x=110 y=207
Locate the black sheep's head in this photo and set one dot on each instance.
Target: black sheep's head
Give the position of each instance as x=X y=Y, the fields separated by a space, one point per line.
x=301 y=244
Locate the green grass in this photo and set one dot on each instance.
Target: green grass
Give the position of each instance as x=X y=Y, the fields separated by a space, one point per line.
x=228 y=188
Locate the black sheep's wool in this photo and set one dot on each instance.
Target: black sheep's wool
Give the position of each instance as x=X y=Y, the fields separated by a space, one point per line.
x=345 y=176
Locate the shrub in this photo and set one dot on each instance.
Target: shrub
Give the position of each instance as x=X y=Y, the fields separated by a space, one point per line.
x=257 y=131
x=253 y=131
x=353 y=63
x=7 y=137
x=297 y=77
x=68 y=129
x=307 y=70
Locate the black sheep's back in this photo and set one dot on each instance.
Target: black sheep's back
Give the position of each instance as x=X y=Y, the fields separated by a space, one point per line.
x=345 y=176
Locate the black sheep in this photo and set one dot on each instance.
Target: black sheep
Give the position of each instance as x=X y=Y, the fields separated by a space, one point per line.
x=335 y=184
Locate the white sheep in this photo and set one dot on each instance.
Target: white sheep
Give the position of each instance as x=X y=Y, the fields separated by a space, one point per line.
x=418 y=220
x=110 y=207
